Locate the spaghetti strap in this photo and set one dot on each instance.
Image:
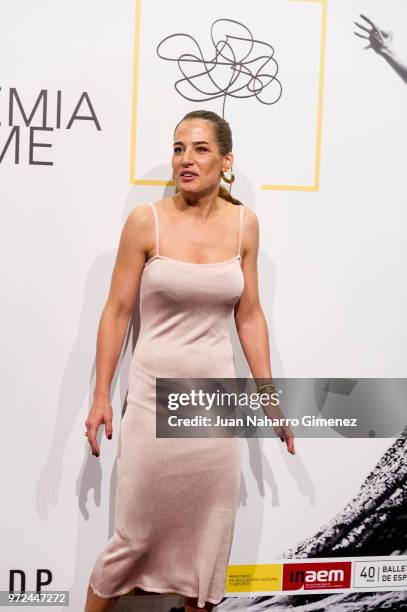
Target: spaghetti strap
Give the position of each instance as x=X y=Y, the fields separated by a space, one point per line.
x=240 y=229
x=157 y=228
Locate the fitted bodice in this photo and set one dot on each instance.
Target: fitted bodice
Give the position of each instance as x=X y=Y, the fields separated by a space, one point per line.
x=186 y=309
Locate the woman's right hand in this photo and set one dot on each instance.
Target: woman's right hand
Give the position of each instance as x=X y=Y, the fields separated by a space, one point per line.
x=100 y=412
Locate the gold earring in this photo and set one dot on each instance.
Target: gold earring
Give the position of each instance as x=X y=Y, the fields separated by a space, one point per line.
x=228 y=179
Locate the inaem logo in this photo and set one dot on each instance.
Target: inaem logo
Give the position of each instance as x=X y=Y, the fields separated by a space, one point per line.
x=316 y=576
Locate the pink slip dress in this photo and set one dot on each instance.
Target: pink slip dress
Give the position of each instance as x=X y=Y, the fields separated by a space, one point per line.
x=176 y=498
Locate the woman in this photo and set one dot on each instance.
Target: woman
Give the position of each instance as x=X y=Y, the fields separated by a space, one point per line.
x=193 y=257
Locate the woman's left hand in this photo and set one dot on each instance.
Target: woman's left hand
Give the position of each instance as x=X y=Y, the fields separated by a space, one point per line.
x=282 y=431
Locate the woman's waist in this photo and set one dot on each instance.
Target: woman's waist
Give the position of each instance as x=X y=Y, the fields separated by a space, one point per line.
x=184 y=361
x=215 y=344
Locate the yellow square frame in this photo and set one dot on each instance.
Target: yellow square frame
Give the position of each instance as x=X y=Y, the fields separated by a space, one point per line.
x=317 y=162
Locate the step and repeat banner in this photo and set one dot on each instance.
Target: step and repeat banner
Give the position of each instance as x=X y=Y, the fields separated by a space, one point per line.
x=315 y=92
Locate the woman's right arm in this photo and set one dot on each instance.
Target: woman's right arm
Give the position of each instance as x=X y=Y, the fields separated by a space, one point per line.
x=135 y=242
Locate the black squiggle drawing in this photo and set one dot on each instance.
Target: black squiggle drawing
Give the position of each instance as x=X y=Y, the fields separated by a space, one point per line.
x=233 y=52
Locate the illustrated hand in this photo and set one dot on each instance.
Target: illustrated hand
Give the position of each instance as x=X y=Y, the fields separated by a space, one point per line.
x=379 y=40
x=100 y=412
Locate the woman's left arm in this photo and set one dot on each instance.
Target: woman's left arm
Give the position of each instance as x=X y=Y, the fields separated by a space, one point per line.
x=250 y=321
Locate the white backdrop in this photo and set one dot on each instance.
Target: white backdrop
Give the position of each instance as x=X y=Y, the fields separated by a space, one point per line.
x=332 y=262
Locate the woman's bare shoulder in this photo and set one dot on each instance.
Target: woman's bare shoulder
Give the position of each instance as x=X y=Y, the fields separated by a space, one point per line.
x=140 y=216
x=139 y=225
x=250 y=218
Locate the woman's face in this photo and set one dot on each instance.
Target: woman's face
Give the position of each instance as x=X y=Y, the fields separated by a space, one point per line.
x=197 y=162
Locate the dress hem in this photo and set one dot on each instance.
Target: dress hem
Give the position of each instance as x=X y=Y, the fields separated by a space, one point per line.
x=155 y=590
